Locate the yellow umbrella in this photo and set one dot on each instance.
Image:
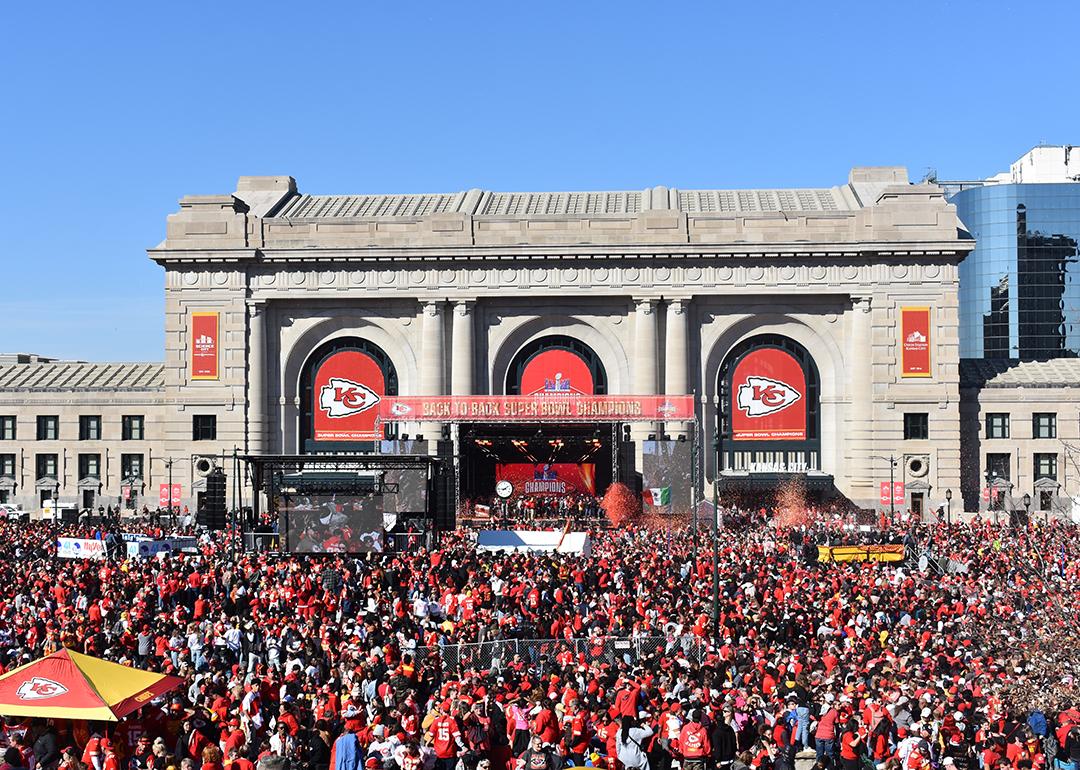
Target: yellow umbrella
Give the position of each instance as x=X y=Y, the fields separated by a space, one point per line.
x=70 y=685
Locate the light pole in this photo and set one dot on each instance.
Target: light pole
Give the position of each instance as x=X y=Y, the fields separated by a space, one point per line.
x=1027 y=508
x=892 y=461
x=716 y=539
x=172 y=514
x=948 y=507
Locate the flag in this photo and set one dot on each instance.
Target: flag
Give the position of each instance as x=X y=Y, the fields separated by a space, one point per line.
x=482 y=510
x=657 y=496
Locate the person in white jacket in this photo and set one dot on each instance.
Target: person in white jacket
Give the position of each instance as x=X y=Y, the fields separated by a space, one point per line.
x=630 y=743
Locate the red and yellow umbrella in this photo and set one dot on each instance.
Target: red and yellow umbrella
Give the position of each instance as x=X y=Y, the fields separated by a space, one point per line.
x=70 y=685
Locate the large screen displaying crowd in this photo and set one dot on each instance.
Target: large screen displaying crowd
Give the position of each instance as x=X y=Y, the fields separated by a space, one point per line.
x=346 y=661
x=333 y=523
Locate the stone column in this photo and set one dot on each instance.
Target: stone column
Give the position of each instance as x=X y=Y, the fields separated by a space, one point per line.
x=461 y=355
x=644 y=360
x=861 y=469
x=676 y=362
x=643 y=364
x=256 y=360
x=431 y=362
x=676 y=365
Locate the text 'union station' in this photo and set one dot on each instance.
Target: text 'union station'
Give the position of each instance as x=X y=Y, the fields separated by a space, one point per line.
x=802 y=327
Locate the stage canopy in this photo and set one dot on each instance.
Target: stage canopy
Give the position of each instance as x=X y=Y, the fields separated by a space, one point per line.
x=70 y=685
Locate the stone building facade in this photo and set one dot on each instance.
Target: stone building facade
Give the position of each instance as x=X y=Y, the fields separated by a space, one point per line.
x=659 y=285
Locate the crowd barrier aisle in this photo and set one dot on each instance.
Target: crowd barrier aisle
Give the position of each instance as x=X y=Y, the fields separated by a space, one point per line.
x=499 y=654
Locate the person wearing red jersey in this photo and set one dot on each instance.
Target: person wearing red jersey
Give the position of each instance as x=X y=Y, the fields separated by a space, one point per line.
x=447 y=741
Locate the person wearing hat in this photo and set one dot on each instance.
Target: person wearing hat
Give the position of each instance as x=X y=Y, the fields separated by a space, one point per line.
x=347 y=753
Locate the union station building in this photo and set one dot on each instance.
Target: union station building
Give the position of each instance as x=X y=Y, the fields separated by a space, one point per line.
x=806 y=335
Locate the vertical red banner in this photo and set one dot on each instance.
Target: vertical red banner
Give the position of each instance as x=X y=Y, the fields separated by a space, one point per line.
x=177 y=490
x=348 y=388
x=768 y=397
x=899 y=498
x=126 y=492
x=915 y=342
x=204 y=346
x=163 y=495
x=986 y=494
x=886 y=493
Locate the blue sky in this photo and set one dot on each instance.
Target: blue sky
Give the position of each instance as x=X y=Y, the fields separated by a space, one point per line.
x=113 y=111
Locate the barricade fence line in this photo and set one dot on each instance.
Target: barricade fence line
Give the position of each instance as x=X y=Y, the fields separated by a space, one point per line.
x=499 y=654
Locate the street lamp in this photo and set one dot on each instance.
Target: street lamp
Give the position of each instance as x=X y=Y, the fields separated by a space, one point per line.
x=892 y=461
x=716 y=539
x=948 y=507
x=1027 y=508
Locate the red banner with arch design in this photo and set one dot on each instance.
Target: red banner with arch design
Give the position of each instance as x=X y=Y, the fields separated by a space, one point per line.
x=768 y=397
x=348 y=389
x=556 y=371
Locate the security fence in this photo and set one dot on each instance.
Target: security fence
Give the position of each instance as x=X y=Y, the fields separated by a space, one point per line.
x=496 y=655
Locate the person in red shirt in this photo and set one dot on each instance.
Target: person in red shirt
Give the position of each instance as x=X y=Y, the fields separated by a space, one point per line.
x=546 y=723
x=578 y=734
x=693 y=743
x=447 y=743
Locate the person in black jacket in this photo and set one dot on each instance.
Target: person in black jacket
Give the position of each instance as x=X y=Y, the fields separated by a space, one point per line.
x=724 y=741
x=46 y=749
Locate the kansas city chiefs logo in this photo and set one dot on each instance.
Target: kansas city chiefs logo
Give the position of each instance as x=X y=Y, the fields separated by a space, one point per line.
x=760 y=396
x=40 y=688
x=343 y=398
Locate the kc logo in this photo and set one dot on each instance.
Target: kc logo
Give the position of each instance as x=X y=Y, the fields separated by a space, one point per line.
x=760 y=396
x=343 y=398
x=39 y=688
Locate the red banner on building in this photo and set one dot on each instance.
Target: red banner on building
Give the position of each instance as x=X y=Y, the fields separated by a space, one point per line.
x=571 y=407
x=204 y=346
x=986 y=494
x=556 y=371
x=348 y=389
x=125 y=492
x=886 y=493
x=899 y=497
x=768 y=395
x=915 y=342
x=548 y=478
x=163 y=494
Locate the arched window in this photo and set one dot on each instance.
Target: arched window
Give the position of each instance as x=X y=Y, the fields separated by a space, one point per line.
x=340 y=387
x=769 y=418
x=553 y=364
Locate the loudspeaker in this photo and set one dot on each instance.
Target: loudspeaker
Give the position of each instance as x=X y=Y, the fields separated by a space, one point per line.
x=445 y=515
x=213 y=513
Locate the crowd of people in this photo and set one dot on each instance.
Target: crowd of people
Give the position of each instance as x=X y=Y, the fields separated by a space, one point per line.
x=339 y=661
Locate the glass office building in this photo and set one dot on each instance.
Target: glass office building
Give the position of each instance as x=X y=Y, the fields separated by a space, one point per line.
x=1020 y=287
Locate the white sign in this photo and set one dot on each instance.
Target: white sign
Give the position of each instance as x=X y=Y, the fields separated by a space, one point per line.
x=39 y=688
x=343 y=398
x=761 y=396
x=80 y=548
x=778 y=467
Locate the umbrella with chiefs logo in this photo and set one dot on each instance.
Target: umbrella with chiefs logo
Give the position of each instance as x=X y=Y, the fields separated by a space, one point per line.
x=70 y=685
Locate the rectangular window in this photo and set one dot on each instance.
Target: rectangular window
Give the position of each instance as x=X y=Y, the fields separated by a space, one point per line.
x=90 y=427
x=7 y=427
x=204 y=427
x=997 y=425
x=916 y=426
x=1046 y=465
x=131 y=427
x=131 y=467
x=7 y=465
x=90 y=466
x=1044 y=425
x=46 y=466
x=48 y=427
x=997 y=465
